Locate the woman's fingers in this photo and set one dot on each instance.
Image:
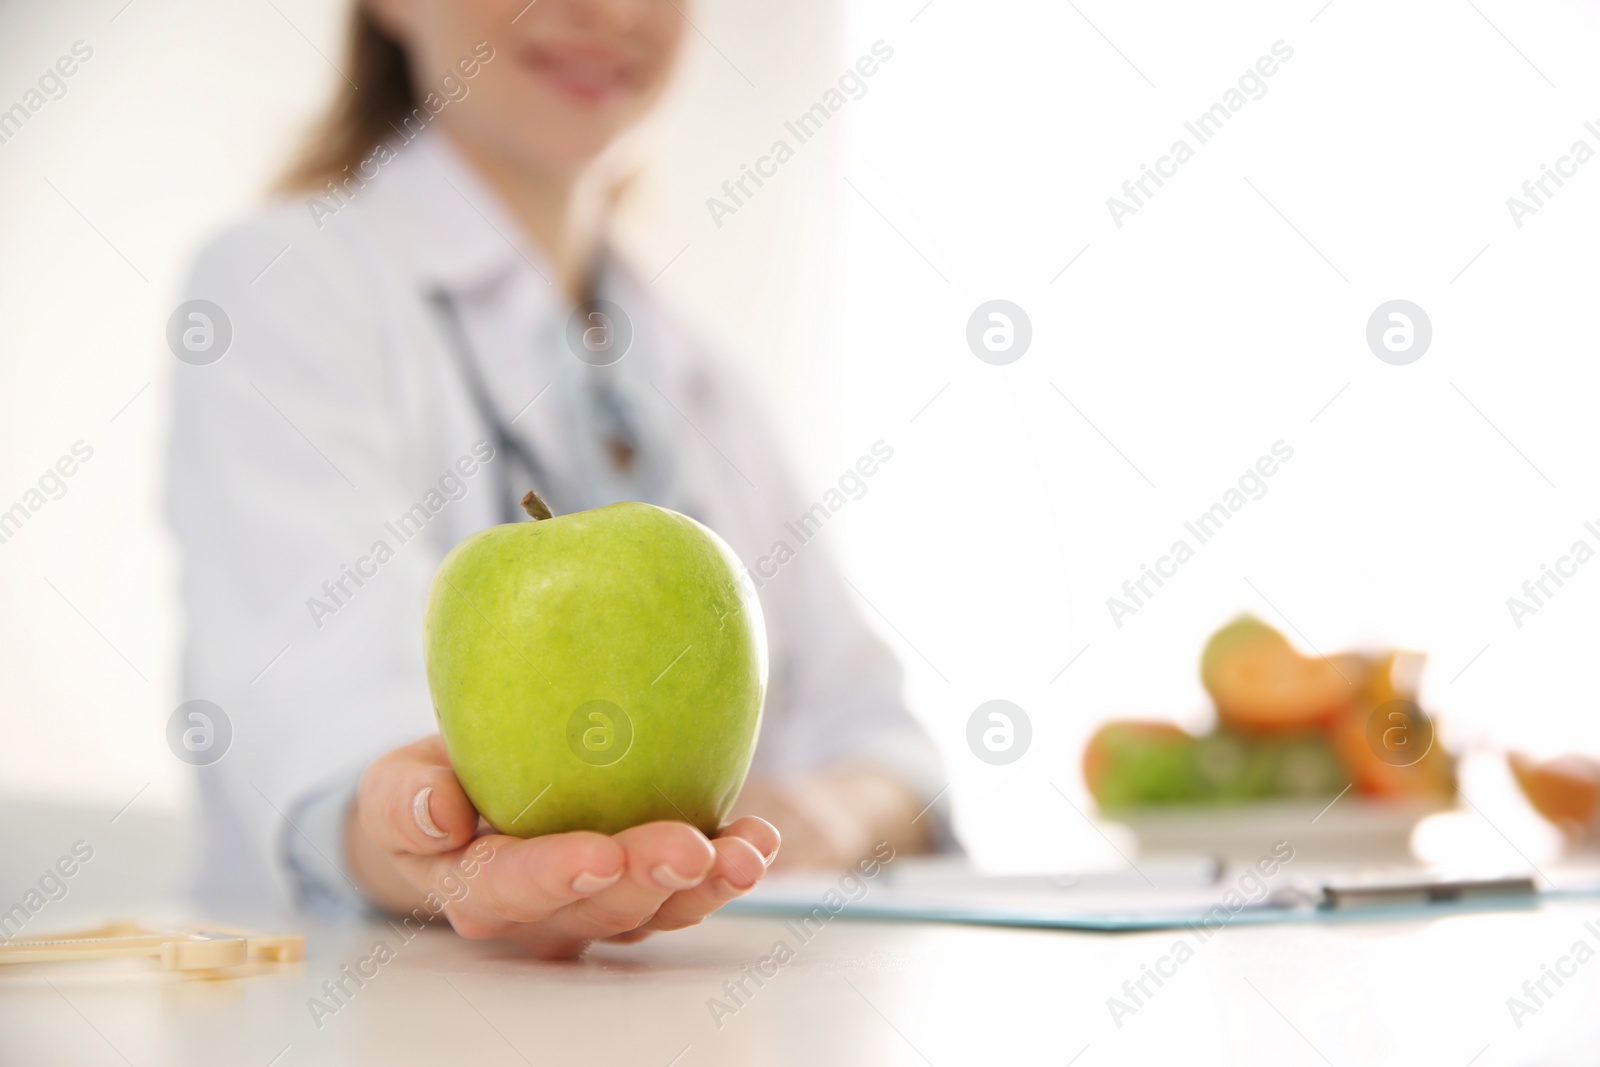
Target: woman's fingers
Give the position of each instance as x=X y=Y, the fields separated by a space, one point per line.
x=806 y=842
x=557 y=893
x=410 y=801
x=663 y=858
x=761 y=834
x=666 y=875
x=522 y=881
x=738 y=868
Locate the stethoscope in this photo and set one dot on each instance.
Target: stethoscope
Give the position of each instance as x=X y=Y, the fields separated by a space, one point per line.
x=505 y=442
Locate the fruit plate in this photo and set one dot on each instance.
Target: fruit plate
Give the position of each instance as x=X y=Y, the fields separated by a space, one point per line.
x=1349 y=830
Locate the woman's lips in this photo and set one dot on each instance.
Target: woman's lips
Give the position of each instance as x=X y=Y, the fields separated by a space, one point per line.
x=584 y=72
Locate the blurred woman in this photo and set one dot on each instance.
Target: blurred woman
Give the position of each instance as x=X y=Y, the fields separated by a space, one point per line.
x=430 y=324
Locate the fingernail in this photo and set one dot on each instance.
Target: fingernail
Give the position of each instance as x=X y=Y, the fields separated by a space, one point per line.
x=770 y=856
x=726 y=889
x=667 y=878
x=589 y=882
x=419 y=812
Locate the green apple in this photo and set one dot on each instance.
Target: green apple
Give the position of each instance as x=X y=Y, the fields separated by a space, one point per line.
x=597 y=670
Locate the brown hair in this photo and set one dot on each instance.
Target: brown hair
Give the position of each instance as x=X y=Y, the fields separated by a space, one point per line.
x=362 y=115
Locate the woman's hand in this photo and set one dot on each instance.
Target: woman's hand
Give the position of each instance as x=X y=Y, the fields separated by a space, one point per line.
x=411 y=832
x=836 y=819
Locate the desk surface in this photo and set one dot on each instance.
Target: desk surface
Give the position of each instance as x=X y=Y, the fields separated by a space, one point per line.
x=856 y=992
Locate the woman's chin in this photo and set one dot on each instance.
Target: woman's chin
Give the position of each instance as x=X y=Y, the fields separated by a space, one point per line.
x=566 y=145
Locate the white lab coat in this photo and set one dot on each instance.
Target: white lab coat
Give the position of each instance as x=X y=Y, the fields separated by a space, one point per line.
x=338 y=410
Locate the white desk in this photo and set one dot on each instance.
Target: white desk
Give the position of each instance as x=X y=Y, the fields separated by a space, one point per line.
x=1352 y=995
x=859 y=992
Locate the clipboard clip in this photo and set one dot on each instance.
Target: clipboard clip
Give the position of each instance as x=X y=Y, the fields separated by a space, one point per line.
x=1440 y=890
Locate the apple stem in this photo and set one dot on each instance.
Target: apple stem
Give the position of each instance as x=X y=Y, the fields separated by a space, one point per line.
x=535 y=506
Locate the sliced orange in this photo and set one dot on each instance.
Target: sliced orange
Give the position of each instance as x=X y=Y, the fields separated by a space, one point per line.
x=1261 y=684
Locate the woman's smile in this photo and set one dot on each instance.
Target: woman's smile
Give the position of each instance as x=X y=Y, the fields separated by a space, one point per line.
x=586 y=71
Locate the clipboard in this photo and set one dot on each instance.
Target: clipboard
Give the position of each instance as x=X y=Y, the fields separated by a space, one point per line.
x=1149 y=900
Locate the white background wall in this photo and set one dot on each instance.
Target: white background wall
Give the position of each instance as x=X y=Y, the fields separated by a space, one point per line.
x=1225 y=315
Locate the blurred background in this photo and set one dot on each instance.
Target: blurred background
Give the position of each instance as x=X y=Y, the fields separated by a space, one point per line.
x=1229 y=312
